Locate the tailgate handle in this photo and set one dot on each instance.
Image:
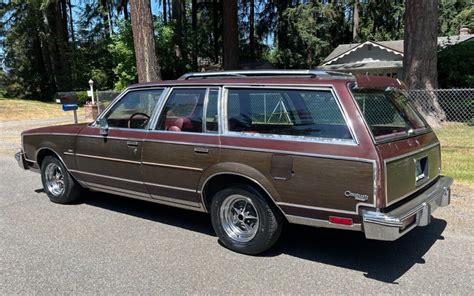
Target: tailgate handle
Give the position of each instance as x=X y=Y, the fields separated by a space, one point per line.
x=132 y=143
x=201 y=150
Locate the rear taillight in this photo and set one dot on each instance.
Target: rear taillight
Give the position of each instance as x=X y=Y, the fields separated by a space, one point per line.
x=340 y=220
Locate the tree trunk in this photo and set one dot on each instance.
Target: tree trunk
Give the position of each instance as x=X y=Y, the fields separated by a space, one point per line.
x=124 y=6
x=177 y=15
x=230 y=35
x=420 y=55
x=71 y=25
x=144 y=41
x=355 y=22
x=215 y=24
x=252 y=30
x=194 y=10
x=165 y=16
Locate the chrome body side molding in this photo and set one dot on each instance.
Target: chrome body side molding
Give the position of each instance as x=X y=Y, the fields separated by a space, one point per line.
x=321 y=223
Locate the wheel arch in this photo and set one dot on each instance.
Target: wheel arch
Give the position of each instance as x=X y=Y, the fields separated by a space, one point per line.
x=42 y=152
x=217 y=181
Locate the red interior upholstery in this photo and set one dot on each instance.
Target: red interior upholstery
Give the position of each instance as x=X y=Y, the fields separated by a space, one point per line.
x=178 y=124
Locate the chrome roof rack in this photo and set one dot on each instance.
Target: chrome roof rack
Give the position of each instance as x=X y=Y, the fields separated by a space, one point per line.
x=263 y=73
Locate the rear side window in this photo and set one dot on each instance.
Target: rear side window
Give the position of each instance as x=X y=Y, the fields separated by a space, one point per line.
x=183 y=111
x=313 y=114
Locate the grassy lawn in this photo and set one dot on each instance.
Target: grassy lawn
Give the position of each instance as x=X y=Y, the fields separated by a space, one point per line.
x=15 y=109
x=457 y=142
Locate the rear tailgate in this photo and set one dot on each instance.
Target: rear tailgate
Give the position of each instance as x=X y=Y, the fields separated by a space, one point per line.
x=409 y=165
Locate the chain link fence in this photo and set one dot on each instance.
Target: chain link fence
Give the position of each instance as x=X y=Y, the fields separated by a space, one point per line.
x=105 y=98
x=457 y=104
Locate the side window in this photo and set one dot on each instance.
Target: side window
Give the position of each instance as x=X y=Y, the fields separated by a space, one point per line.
x=183 y=111
x=134 y=109
x=212 y=120
x=298 y=113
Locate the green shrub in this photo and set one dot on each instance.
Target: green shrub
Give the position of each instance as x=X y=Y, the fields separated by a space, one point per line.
x=82 y=97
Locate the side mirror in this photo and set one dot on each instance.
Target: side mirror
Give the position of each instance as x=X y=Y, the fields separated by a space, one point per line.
x=104 y=127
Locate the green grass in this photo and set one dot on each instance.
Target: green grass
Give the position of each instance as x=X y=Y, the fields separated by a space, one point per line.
x=457 y=152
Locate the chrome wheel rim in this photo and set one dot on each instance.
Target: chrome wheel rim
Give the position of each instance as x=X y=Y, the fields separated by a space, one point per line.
x=239 y=218
x=54 y=178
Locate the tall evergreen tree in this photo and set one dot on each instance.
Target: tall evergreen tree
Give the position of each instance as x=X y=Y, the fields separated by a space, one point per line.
x=420 y=62
x=144 y=41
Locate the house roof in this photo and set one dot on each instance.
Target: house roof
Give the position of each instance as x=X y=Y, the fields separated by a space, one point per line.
x=396 y=45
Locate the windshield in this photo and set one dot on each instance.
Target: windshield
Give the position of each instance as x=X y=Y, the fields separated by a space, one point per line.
x=388 y=113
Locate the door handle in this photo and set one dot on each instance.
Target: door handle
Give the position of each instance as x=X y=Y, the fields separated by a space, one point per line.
x=132 y=144
x=201 y=150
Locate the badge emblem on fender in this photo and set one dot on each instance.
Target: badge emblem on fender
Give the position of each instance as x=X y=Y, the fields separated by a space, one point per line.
x=357 y=196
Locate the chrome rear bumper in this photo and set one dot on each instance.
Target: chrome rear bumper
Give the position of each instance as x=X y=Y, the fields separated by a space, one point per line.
x=417 y=212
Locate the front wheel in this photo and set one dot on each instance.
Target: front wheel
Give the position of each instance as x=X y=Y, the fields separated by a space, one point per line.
x=244 y=221
x=57 y=182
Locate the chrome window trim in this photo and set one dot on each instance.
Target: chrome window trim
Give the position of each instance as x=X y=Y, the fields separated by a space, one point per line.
x=277 y=137
x=204 y=112
x=123 y=94
x=152 y=127
x=330 y=88
x=154 y=119
x=206 y=102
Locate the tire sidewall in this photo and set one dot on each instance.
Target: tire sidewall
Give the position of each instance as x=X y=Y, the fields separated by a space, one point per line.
x=68 y=195
x=264 y=236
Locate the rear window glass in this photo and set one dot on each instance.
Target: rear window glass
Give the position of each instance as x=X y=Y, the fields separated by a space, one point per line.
x=286 y=113
x=388 y=113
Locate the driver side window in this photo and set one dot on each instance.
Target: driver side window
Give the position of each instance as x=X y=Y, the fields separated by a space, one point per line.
x=134 y=109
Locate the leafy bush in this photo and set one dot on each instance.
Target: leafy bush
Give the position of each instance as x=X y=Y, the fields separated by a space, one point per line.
x=82 y=97
x=456 y=66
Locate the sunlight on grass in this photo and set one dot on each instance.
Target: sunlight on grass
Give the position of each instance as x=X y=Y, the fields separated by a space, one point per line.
x=16 y=109
x=457 y=142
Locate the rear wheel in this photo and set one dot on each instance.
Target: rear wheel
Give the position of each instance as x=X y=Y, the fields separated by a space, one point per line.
x=57 y=182
x=244 y=221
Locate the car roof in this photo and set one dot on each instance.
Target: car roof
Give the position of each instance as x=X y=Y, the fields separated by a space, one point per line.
x=275 y=78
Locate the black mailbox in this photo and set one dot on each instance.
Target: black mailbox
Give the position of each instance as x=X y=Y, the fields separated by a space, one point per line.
x=67 y=98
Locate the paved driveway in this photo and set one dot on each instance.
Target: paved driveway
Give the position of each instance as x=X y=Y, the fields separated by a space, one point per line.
x=113 y=245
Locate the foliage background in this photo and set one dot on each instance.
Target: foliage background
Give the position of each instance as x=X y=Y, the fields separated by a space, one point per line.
x=58 y=45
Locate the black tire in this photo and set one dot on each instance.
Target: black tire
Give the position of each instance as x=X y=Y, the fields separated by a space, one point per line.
x=270 y=220
x=71 y=190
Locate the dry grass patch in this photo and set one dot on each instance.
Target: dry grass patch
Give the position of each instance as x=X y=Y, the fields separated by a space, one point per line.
x=15 y=109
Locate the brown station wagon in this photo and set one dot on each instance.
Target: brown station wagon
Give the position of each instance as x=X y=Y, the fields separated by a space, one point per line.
x=256 y=149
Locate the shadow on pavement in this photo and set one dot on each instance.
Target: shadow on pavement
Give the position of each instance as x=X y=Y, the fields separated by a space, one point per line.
x=382 y=261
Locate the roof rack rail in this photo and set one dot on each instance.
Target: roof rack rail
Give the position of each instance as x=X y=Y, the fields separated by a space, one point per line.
x=263 y=73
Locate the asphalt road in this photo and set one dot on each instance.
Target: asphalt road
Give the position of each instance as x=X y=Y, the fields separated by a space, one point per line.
x=114 y=245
